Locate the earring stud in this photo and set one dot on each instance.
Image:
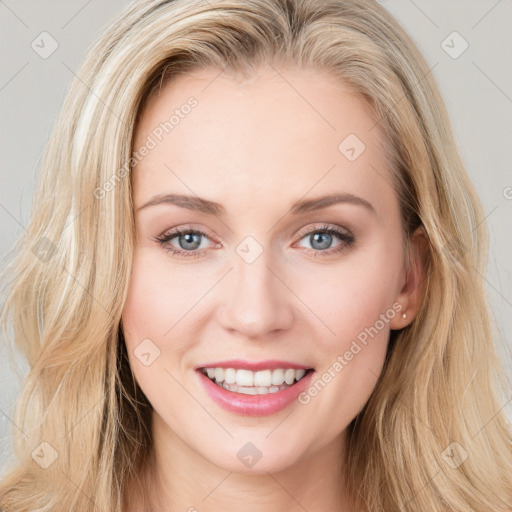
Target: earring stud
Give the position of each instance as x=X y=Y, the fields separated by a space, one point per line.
x=404 y=315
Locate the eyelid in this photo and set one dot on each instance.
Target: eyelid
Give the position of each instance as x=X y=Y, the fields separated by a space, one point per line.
x=187 y=228
x=323 y=226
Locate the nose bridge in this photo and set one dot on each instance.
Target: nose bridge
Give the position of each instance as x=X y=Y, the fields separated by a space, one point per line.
x=256 y=302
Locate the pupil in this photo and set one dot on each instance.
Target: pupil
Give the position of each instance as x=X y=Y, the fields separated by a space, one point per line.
x=189 y=240
x=318 y=237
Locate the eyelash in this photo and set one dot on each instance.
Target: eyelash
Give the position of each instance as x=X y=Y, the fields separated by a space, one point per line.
x=346 y=238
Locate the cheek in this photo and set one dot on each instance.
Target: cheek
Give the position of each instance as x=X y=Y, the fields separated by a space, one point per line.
x=148 y=314
x=357 y=308
x=154 y=311
x=158 y=297
x=353 y=296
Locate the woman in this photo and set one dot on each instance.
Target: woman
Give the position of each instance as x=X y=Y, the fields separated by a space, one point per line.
x=188 y=351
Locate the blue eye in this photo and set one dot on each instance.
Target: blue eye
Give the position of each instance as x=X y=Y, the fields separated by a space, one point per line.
x=189 y=241
x=320 y=238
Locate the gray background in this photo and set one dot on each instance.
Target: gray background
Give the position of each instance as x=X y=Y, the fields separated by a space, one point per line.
x=477 y=86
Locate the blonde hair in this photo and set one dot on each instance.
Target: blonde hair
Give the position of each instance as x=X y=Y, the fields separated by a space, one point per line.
x=71 y=268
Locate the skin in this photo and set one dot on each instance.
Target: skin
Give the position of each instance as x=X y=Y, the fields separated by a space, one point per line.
x=256 y=146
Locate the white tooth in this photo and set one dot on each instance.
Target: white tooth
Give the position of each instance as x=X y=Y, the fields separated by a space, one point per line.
x=225 y=385
x=263 y=378
x=219 y=374
x=262 y=390
x=273 y=389
x=247 y=391
x=277 y=377
x=244 y=378
x=289 y=376
x=299 y=374
x=230 y=375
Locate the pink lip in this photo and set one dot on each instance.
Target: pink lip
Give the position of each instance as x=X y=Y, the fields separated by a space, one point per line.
x=254 y=366
x=253 y=405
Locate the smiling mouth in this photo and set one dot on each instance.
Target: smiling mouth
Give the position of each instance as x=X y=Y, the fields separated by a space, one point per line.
x=262 y=382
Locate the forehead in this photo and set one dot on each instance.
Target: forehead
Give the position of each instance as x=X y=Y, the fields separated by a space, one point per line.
x=278 y=133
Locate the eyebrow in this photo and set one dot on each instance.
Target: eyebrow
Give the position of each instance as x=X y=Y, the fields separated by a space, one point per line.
x=212 y=208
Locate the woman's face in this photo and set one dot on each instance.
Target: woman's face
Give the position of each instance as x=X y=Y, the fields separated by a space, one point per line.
x=253 y=280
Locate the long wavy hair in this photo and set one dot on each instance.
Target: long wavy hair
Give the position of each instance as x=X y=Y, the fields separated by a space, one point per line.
x=432 y=437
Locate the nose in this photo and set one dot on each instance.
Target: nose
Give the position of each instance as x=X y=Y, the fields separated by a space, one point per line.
x=258 y=302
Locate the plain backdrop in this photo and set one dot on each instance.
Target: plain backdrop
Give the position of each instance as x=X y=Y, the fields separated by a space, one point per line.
x=472 y=67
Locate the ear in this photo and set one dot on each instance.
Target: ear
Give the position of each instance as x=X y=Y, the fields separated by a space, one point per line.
x=414 y=283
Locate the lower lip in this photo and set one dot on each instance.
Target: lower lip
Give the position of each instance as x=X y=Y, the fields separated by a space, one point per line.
x=254 y=405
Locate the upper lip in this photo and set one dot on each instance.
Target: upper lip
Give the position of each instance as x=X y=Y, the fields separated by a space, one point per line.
x=270 y=364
